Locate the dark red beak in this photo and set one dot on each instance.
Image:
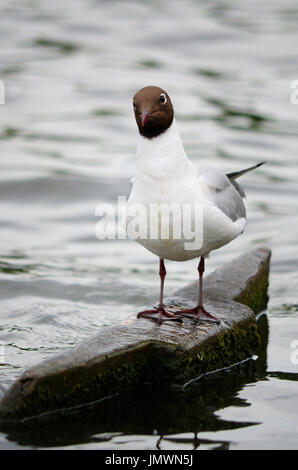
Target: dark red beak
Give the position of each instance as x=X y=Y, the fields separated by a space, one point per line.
x=145 y=116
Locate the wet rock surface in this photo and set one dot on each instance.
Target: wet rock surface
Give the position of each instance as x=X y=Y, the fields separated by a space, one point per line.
x=140 y=351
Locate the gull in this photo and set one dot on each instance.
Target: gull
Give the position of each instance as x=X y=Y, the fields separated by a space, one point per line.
x=166 y=178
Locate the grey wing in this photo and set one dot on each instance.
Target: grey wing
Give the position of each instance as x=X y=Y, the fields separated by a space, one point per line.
x=225 y=194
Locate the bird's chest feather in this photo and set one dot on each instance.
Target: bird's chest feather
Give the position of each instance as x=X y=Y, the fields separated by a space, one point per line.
x=159 y=211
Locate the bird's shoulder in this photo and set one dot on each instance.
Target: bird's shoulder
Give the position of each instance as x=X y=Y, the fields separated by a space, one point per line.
x=213 y=178
x=222 y=192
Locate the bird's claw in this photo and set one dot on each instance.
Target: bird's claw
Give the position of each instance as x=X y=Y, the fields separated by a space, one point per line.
x=198 y=314
x=160 y=314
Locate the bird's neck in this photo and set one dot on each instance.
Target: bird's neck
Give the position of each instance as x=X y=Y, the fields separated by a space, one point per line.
x=163 y=157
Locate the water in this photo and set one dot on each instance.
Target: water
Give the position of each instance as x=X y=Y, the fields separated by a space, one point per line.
x=67 y=140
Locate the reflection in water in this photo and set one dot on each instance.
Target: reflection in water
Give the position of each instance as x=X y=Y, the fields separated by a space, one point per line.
x=147 y=411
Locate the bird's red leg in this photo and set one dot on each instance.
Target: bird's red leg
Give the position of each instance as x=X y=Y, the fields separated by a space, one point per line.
x=162 y=314
x=199 y=313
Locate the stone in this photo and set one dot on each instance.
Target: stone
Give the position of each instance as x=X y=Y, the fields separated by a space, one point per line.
x=140 y=351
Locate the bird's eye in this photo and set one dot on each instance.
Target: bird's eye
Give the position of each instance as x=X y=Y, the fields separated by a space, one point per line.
x=163 y=98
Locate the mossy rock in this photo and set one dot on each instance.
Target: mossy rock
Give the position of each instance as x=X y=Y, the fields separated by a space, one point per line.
x=135 y=352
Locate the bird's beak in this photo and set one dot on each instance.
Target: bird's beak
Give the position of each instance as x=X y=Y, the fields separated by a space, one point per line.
x=145 y=116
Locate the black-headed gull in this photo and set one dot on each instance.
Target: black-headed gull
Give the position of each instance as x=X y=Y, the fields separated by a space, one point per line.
x=166 y=178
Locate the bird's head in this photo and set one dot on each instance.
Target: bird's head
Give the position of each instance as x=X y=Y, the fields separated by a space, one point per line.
x=153 y=110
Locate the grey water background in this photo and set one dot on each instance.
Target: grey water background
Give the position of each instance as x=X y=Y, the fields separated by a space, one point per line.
x=67 y=143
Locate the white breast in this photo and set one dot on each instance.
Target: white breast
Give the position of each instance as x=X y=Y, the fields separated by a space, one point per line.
x=166 y=178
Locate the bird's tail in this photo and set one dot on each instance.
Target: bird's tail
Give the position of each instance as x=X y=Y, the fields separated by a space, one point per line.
x=236 y=174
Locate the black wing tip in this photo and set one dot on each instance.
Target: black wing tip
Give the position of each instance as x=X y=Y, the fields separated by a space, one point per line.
x=237 y=174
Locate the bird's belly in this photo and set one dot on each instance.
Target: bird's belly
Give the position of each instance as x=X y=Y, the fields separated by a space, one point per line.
x=183 y=230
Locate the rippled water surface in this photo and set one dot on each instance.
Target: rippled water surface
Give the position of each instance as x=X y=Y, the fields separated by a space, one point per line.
x=67 y=142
